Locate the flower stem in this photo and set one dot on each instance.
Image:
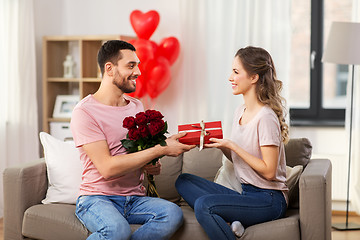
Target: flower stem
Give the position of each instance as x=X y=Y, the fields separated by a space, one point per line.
x=151 y=186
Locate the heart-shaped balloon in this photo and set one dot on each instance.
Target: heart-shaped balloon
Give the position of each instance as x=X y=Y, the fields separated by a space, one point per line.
x=140 y=87
x=158 y=76
x=169 y=48
x=144 y=24
x=145 y=50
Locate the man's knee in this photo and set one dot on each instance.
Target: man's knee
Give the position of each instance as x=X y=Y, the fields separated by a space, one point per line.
x=172 y=212
x=116 y=230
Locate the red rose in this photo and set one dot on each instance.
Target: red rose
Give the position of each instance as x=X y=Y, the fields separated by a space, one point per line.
x=134 y=134
x=156 y=126
x=143 y=131
x=153 y=114
x=141 y=118
x=129 y=122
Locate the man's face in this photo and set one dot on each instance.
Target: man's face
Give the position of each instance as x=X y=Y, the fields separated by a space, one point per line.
x=127 y=71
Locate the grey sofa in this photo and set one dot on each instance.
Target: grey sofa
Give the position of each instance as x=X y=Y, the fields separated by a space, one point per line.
x=308 y=216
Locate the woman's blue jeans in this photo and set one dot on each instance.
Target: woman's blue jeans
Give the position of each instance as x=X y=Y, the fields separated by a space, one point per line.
x=215 y=205
x=108 y=217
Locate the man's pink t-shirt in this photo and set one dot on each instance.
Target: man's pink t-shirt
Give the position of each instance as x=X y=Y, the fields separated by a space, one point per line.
x=93 y=121
x=262 y=130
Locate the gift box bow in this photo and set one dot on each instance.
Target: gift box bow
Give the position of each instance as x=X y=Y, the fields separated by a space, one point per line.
x=203 y=129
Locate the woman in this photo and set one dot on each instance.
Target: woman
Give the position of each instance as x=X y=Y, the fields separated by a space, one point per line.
x=256 y=149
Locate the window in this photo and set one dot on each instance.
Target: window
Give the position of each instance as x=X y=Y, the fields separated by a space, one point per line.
x=317 y=90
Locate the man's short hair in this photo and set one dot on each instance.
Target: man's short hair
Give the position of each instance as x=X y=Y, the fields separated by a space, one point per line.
x=110 y=52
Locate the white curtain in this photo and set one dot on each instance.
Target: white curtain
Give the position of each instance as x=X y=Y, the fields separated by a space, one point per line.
x=355 y=156
x=18 y=114
x=212 y=31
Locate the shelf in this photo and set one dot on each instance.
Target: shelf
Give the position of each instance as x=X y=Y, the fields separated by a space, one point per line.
x=63 y=79
x=91 y=80
x=86 y=80
x=59 y=119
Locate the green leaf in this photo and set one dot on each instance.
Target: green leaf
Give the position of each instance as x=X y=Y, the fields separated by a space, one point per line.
x=133 y=149
x=165 y=128
x=128 y=143
x=163 y=143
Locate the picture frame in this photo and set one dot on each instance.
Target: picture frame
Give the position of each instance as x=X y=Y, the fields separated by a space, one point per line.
x=64 y=104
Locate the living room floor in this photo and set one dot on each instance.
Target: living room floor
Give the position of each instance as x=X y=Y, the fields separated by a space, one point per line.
x=336 y=235
x=345 y=235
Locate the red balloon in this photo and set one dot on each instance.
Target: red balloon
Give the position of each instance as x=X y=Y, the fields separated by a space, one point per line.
x=140 y=87
x=154 y=46
x=169 y=48
x=144 y=50
x=158 y=76
x=144 y=24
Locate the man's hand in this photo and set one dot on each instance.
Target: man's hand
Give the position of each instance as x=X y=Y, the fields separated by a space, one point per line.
x=153 y=169
x=174 y=147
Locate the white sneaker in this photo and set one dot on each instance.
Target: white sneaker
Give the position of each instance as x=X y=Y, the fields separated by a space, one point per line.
x=237 y=228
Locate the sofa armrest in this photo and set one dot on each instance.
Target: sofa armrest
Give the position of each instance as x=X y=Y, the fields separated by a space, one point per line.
x=315 y=200
x=24 y=186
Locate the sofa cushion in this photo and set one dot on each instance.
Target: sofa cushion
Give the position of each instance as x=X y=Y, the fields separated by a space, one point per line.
x=191 y=229
x=298 y=152
x=284 y=228
x=204 y=163
x=53 y=221
x=165 y=182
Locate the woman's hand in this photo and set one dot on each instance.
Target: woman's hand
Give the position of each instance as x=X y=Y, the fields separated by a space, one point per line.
x=219 y=143
x=153 y=169
x=225 y=145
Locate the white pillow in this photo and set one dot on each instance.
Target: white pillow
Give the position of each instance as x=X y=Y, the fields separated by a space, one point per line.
x=226 y=176
x=64 y=170
x=292 y=177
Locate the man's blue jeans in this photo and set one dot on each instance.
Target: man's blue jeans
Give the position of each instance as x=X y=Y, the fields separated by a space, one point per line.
x=215 y=205
x=108 y=217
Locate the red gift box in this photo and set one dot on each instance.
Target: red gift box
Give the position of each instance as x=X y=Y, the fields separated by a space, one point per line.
x=212 y=130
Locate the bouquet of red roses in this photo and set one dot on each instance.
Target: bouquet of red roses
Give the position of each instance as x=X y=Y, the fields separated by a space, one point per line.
x=146 y=130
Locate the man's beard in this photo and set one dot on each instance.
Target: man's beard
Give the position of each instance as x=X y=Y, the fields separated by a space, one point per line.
x=126 y=85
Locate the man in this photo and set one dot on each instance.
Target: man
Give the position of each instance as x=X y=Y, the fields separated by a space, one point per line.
x=111 y=193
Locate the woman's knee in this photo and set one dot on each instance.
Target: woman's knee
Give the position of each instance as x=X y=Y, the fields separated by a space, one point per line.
x=185 y=181
x=202 y=209
x=182 y=178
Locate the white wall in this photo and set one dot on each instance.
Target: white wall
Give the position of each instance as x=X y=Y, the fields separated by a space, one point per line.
x=93 y=17
x=331 y=143
x=102 y=17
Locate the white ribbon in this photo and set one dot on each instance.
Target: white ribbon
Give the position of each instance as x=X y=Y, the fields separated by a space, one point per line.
x=202 y=135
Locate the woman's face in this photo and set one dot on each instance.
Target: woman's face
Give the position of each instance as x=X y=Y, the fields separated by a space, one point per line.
x=240 y=80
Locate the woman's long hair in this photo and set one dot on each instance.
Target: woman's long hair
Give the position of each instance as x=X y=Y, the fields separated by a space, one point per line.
x=258 y=61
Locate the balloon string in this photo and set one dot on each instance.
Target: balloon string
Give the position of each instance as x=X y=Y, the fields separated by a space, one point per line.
x=148 y=102
x=145 y=103
x=153 y=102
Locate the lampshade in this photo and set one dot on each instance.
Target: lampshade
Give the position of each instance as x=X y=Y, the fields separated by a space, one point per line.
x=343 y=45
